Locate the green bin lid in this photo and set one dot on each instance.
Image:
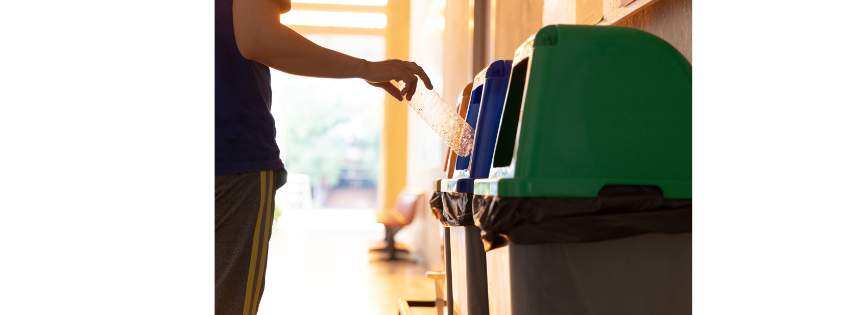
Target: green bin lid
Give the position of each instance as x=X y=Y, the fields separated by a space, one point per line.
x=589 y=106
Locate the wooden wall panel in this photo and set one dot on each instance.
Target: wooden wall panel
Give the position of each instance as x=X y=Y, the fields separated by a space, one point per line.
x=668 y=19
x=512 y=22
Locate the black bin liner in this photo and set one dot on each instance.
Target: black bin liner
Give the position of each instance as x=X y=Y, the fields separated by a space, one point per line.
x=436 y=204
x=457 y=209
x=618 y=211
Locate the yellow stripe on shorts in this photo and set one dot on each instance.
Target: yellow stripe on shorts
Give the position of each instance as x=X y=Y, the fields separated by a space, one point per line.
x=266 y=238
x=247 y=307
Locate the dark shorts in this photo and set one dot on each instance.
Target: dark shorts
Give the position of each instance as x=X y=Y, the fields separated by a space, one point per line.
x=244 y=209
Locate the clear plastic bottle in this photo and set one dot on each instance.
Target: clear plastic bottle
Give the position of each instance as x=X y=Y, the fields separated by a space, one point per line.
x=442 y=118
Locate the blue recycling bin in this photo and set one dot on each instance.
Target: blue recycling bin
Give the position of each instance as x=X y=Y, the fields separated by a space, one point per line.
x=485 y=110
x=466 y=250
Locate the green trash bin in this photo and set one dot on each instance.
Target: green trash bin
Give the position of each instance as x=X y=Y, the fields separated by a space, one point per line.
x=588 y=206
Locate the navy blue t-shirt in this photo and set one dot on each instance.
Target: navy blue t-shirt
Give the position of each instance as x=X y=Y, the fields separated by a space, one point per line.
x=245 y=129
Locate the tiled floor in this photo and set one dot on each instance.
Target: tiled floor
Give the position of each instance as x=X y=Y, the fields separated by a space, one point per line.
x=327 y=269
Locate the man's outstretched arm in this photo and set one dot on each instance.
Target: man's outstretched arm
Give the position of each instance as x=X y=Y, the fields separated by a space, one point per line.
x=261 y=37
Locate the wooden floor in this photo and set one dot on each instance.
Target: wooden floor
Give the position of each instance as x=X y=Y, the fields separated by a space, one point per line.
x=327 y=269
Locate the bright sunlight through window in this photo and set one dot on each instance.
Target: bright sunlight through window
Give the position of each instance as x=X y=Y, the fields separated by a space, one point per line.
x=347 y=2
x=336 y=19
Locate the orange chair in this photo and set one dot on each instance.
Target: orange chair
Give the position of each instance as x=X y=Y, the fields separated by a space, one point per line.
x=394 y=219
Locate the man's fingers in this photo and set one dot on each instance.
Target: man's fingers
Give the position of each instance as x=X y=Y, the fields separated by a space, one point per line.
x=410 y=83
x=403 y=72
x=402 y=81
x=416 y=69
x=392 y=90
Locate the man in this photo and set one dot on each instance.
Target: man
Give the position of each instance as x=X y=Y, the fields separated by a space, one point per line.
x=249 y=39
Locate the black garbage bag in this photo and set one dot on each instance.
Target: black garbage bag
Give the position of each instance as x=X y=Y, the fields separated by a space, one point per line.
x=618 y=211
x=436 y=204
x=457 y=209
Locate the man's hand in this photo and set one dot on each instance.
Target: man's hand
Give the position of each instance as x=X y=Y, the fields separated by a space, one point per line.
x=380 y=73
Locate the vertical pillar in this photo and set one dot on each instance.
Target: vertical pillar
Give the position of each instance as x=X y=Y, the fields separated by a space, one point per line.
x=393 y=154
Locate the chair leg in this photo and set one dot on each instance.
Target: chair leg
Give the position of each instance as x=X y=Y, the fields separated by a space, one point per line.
x=391 y=243
x=388 y=235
